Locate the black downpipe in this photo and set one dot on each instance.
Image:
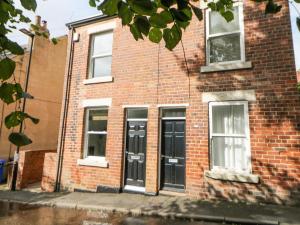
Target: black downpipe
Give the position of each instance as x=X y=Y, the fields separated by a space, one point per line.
x=64 y=120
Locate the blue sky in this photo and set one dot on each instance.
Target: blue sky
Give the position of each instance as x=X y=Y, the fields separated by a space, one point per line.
x=59 y=12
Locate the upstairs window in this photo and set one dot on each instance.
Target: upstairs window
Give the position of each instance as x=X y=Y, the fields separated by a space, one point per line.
x=225 y=41
x=101 y=54
x=96 y=132
x=229 y=136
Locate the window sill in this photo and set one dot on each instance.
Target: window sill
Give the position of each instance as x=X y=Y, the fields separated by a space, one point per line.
x=232 y=176
x=98 y=80
x=95 y=162
x=225 y=67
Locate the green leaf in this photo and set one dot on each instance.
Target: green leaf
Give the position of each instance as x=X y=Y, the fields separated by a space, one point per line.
x=181 y=4
x=172 y=37
x=92 y=3
x=183 y=25
x=9 y=93
x=19 y=139
x=29 y=4
x=54 y=41
x=166 y=16
x=125 y=13
x=142 y=24
x=272 y=7
x=135 y=32
x=182 y=15
x=228 y=15
x=7 y=68
x=297 y=1
x=109 y=7
x=155 y=35
x=298 y=22
x=198 y=12
x=158 y=21
x=167 y=3
x=212 y=6
x=143 y=7
x=11 y=46
x=16 y=118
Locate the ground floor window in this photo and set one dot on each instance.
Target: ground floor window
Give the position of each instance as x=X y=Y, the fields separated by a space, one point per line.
x=95 y=132
x=229 y=136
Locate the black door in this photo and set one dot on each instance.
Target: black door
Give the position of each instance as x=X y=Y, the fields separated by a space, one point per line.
x=173 y=154
x=135 y=153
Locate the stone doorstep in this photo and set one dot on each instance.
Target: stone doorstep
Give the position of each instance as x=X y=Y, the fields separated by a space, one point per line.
x=153 y=213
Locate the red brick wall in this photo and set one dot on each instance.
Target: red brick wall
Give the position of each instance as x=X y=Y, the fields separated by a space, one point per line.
x=298 y=75
x=274 y=117
x=49 y=172
x=30 y=168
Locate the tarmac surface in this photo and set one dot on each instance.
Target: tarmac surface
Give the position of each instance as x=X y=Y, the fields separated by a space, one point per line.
x=160 y=206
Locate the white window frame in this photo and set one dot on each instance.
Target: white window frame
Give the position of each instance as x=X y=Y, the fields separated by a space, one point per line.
x=86 y=134
x=241 y=31
x=93 y=57
x=246 y=136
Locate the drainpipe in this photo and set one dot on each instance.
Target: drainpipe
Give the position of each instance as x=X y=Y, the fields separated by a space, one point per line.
x=64 y=119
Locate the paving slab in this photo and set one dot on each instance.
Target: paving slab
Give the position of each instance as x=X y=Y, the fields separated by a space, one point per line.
x=162 y=206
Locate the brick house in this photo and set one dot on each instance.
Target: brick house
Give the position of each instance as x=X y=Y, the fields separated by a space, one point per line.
x=227 y=128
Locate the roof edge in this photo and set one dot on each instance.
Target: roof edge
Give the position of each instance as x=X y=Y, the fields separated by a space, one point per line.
x=89 y=20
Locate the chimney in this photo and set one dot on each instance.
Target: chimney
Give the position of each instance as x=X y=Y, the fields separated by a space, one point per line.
x=44 y=27
x=38 y=21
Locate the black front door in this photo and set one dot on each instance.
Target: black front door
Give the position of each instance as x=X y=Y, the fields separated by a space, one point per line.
x=173 y=154
x=135 y=155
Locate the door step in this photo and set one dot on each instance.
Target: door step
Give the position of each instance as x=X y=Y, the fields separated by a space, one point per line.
x=131 y=188
x=172 y=193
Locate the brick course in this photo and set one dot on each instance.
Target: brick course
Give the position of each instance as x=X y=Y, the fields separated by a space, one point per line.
x=147 y=73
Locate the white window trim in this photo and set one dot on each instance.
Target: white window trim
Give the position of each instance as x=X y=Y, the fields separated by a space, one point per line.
x=247 y=136
x=92 y=159
x=102 y=28
x=96 y=80
x=183 y=105
x=241 y=31
x=96 y=102
x=92 y=57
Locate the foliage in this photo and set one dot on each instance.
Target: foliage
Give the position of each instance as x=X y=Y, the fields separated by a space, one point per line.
x=10 y=90
x=154 y=19
x=167 y=19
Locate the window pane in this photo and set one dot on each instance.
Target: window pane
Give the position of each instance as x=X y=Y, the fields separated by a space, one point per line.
x=225 y=48
x=217 y=23
x=238 y=119
x=221 y=121
x=96 y=145
x=103 y=43
x=173 y=112
x=97 y=120
x=137 y=113
x=102 y=66
x=229 y=153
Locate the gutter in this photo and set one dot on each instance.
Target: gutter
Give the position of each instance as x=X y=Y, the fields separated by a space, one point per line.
x=89 y=20
x=64 y=116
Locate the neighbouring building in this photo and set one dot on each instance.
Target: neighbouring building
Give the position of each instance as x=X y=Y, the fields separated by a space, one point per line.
x=137 y=119
x=46 y=86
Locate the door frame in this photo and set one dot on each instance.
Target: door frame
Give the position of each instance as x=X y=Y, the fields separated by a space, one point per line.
x=161 y=118
x=126 y=107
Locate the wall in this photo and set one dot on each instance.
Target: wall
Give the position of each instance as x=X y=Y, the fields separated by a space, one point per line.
x=147 y=73
x=49 y=172
x=31 y=166
x=45 y=84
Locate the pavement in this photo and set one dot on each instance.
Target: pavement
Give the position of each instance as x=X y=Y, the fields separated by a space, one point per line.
x=161 y=206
